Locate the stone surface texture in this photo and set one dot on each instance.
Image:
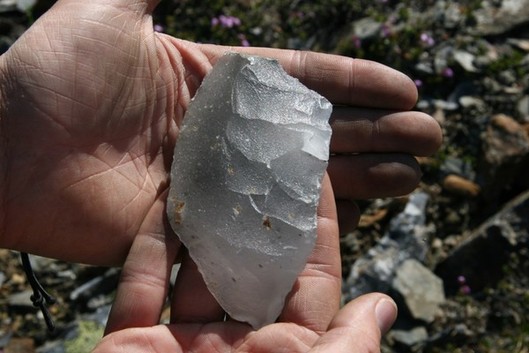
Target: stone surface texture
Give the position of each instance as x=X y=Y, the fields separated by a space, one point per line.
x=246 y=180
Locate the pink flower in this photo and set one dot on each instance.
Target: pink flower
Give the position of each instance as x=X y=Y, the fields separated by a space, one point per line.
x=447 y=72
x=225 y=21
x=244 y=41
x=465 y=290
x=357 y=42
x=427 y=39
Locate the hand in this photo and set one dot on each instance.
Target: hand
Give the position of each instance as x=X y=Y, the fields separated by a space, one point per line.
x=355 y=328
x=310 y=321
x=92 y=101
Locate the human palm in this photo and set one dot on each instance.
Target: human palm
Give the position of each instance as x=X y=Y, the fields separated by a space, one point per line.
x=92 y=101
x=93 y=111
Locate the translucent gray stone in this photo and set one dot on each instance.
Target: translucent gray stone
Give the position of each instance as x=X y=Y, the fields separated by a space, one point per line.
x=245 y=183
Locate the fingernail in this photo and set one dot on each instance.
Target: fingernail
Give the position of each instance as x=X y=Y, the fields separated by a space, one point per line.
x=386 y=314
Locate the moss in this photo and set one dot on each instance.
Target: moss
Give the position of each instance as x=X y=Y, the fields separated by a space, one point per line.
x=89 y=333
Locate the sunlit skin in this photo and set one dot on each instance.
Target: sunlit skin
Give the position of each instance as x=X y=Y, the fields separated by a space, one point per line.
x=91 y=104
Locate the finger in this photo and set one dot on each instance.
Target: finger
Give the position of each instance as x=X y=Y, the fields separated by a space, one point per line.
x=315 y=297
x=348 y=215
x=192 y=301
x=341 y=79
x=145 y=276
x=357 y=130
x=359 y=326
x=366 y=176
x=139 y=6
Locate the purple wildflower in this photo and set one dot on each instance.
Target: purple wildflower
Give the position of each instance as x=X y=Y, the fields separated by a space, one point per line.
x=357 y=42
x=418 y=83
x=427 y=39
x=225 y=21
x=158 y=28
x=385 y=31
x=244 y=41
x=465 y=289
x=447 y=72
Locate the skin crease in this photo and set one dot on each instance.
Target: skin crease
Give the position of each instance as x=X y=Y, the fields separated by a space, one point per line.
x=91 y=103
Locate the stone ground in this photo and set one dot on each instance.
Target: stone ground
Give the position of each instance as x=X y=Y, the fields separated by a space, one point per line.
x=470 y=60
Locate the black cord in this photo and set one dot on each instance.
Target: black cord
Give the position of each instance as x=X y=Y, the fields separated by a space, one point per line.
x=40 y=297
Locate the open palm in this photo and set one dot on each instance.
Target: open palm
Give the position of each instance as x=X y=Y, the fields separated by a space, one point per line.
x=91 y=103
x=93 y=98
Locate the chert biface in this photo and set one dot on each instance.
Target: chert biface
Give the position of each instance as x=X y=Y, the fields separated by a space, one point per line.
x=245 y=183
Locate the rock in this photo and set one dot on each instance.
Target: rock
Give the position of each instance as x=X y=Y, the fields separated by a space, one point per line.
x=5 y=338
x=523 y=108
x=21 y=300
x=466 y=60
x=8 y=5
x=453 y=165
x=519 y=43
x=96 y=286
x=246 y=181
x=452 y=14
x=20 y=5
x=409 y=340
x=404 y=240
x=366 y=28
x=25 y=5
x=461 y=186
x=470 y=102
x=494 y=21
x=2 y=278
x=421 y=291
x=506 y=154
x=481 y=256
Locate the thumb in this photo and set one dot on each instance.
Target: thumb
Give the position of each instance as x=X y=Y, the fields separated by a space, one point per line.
x=359 y=326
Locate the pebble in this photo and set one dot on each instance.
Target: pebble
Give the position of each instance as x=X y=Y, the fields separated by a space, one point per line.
x=461 y=186
x=506 y=123
x=21 y=299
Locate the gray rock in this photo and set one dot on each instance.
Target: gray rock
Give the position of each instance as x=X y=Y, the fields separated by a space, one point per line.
x=466 y=60
x=96 y=286
x=523 y=108
x=505 y=147
x=421 y=291
x=481 y=256
x=410 y=340
x=407 y=238
x=246 y=180
x=452 y=14
x=366 y=28
x=470 y=102
x=492 y=20
x=458 y=166
x=20 y=5
x=21 y=300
